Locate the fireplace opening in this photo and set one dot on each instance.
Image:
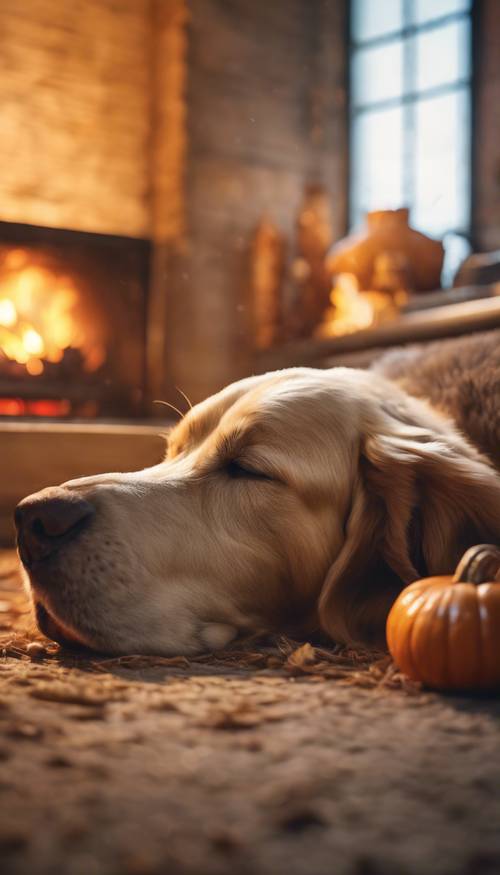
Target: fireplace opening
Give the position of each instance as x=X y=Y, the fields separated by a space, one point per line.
x=72 y=324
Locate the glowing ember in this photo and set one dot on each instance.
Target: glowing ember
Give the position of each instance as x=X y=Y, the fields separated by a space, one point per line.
x=30 y=407
x=352 y=309
x=39 y=316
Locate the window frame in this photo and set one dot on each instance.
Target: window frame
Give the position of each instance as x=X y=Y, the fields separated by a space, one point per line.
x=409 y=100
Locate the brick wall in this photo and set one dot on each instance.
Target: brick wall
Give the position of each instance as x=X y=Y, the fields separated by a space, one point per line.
x=74 y=102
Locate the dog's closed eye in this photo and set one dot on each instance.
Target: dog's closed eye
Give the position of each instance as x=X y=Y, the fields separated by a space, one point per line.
x=239 y=471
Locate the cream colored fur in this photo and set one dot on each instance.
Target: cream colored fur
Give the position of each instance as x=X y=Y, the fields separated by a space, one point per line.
x=363 y=488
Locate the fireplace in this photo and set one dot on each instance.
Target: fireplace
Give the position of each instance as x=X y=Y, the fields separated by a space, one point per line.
x=72 y=323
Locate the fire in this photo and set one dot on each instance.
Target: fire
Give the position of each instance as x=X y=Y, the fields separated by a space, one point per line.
x=38 y=316
x=32 y=342
x=352 y=309
x=8 y=313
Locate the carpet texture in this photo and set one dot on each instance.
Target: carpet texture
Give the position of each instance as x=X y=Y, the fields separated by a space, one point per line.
x=279 y=758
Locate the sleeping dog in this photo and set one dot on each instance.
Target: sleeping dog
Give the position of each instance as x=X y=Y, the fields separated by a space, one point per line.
x=298 y=500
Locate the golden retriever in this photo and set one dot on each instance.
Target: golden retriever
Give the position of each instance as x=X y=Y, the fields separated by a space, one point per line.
x=298 y=500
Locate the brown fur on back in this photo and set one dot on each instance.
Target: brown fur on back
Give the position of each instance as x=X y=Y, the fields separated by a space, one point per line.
x=459 y=377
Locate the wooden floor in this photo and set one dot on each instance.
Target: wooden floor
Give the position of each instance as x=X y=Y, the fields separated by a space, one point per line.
x=269 y=760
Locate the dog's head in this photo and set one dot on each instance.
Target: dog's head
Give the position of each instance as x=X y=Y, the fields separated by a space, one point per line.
x=297 y=499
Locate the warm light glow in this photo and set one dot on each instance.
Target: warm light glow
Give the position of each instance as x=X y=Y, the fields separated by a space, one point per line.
x=352 y=309
x=16 y=259
x=8 y=313
x=32 y=342
x=34 y=367
x=29 y=407
x=39 y=316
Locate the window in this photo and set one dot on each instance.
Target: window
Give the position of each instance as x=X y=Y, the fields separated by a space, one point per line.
x=411 y=113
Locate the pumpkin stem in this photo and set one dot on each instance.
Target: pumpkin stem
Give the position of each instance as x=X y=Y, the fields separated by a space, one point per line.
x=480 y=564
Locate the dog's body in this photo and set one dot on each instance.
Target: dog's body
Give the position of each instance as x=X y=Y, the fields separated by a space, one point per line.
x=460 y=378
x=300 y=499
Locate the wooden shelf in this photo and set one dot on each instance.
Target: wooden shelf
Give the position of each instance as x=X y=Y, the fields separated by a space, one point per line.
x=451 y=320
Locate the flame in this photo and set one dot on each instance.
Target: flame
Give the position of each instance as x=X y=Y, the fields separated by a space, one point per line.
x=352 y=309
x=39 y=317
x=32 y=342
x=8 y=313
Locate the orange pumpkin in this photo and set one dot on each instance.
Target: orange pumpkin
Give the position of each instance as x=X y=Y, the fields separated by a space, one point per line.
x=445 y=631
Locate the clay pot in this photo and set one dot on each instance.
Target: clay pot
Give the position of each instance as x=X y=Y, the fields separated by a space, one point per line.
x=387 y=252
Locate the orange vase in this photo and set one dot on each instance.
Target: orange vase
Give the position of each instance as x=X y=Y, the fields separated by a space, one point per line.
x=385 y=249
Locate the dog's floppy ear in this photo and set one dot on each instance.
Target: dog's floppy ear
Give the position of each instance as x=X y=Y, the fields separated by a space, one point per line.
x=422 y=496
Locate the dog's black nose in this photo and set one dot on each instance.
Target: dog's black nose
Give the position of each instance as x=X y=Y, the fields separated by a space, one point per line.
x=47 y=520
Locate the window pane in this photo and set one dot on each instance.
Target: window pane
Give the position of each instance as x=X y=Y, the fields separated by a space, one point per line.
x=377 y=74
x=372 y=18
x=456 y=250
x=427 y=10
x=377 y=162
x=442 y=158
x=442 y=55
